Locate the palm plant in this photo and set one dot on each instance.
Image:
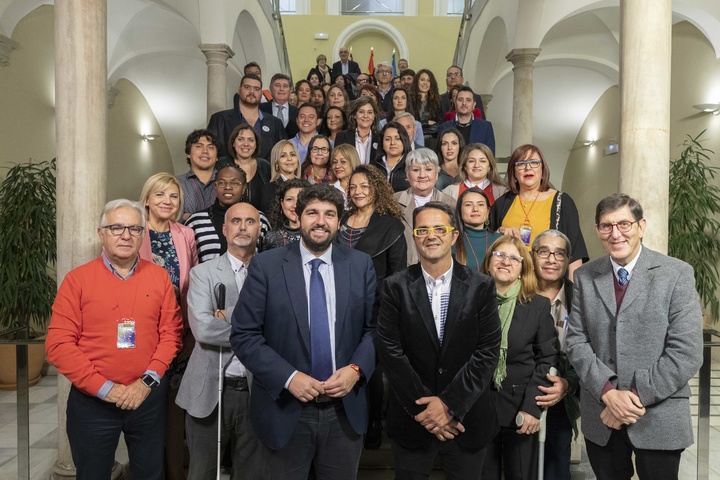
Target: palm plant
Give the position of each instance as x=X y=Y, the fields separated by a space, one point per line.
x=693 y=226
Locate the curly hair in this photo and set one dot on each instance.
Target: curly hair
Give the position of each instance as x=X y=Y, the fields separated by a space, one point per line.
x=433 y=96
x=380 y=189
x=276 y=216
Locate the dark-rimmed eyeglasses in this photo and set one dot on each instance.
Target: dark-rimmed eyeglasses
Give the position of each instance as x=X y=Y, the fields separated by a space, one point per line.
x=534 y=164
x=560 y=255
x=117 y=229
x=623 y=227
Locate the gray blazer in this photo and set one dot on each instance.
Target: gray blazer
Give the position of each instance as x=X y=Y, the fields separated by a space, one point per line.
x=653 y=344
x=198 y=393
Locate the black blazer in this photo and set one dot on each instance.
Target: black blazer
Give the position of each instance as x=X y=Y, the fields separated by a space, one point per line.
x=532 y=350
x=348 y=136
x=398 y=177
x=292 y=128
x=353 y=67
x=458 y=371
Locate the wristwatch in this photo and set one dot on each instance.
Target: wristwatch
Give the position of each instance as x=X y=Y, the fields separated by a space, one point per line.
x=149 y=381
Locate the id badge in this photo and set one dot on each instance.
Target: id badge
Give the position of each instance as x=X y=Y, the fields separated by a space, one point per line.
x=126 y=333
x=525 y=232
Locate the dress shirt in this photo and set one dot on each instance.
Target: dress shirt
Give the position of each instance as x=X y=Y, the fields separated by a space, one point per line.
x=237 y=369
x=328 y=276
x=629 y=267
x=482 y=185
x=345 y=67
x=285 y=112
x=439 y=294
x=363 y=148
x=197 y=196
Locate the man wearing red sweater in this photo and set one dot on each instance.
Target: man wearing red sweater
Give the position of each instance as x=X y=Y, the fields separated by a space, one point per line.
x=114 y=330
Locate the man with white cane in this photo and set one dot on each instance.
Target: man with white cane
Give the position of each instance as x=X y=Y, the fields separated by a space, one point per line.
x=201 y=393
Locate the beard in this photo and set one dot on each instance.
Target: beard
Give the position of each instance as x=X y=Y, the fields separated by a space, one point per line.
x=242 y=241
x=315 y=246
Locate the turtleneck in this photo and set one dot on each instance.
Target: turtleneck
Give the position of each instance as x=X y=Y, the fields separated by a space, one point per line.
x=217 y=215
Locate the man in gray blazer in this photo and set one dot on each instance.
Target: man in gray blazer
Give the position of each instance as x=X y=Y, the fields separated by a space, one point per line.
x=635 y=340
x=209 y=321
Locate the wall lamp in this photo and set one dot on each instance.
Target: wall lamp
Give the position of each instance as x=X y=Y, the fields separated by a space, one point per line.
x=713 y=108
x=149 y=137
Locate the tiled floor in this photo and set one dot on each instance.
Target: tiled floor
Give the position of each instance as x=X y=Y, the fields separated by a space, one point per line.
x=44 y=419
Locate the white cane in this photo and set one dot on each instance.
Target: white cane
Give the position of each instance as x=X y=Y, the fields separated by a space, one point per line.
x=219 y=414
x=541 y=437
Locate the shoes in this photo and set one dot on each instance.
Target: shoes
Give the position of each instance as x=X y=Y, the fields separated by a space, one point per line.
x=373 y=437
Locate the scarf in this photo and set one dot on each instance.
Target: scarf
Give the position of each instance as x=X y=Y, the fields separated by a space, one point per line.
x=506 y=309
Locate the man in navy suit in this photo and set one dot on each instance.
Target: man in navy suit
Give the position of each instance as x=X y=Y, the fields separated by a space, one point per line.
x=474 y=130
x=304 y=327
x=280 y=106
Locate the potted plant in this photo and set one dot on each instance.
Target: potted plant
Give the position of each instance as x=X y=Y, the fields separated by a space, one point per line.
x=27 y=260
x=694 y=228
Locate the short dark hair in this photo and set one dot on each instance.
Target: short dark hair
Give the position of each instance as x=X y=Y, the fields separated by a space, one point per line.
x=323 y=192
x=280 y=76
x=455 y=66
x=250 y=76
x=250 y=65
x=196 y=135
x=437 y=206
x=465 y=88
x=306 y=105
x=617 y=201
x=409 y=71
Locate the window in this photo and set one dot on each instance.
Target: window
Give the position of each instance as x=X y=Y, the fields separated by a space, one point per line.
x=376 y=7
x=288 y=7
x=455 y=7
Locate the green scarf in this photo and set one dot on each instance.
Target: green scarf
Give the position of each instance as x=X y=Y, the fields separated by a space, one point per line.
x=506 y=309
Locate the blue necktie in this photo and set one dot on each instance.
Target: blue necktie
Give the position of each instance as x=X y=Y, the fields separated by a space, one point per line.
x=622 y=277
x=319 y=329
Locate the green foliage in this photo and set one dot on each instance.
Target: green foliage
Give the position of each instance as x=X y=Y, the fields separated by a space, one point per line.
x=27 y=245
x=694 y=229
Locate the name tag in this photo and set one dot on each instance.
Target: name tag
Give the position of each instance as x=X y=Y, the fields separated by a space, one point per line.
x=126 y=333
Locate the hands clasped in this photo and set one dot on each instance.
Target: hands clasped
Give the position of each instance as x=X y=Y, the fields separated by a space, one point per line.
x=305 y=388
x=437 y=420
x=622 y=407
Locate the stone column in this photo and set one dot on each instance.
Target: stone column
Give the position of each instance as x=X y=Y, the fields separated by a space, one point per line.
x=80 y=129
x=7 y=45
x=645 y=51
x=522 y=119
x=217 y=55
x=486 y=99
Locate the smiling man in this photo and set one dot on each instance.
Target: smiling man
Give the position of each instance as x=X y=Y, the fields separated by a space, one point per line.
x=438 y=344
x=304 y=327
x=280 y=106
x=635 y=339
x=307 y=125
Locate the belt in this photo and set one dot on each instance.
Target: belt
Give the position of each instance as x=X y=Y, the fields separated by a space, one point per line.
x=235 y=383
x=323 y=401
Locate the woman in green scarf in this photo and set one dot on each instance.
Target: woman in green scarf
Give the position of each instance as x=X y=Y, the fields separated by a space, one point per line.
x=527 y=351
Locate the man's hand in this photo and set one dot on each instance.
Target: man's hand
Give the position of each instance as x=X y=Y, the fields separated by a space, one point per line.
x=435 y=417
x=552 y=394
x=450 y=431
x=530 y=425
x=624 y=405
x=610 y=420
x=115 y=393
x=341 y=382
x=133 y=396
x=304 y=387
x=220 y=314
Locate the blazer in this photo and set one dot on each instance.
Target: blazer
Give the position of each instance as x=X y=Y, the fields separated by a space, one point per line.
x=397 y=176
x=271 y=335
x=291 y=129
x=353 y=67
x=653 y=343
x=459 y=371
x=532 y=350
x=184 y=242
x=446 y=106
x=348 y=137
x=481 y=131
x=407 y=203
x=198 y=393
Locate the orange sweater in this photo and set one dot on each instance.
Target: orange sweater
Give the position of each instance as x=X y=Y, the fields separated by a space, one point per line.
x=83 y=331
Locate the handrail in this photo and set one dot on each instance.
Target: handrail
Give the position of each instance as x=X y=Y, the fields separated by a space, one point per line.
x=471 y=14
x=280 y=43
x=703 y=437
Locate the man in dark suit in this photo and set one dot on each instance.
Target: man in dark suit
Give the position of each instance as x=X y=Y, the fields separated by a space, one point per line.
x=438 y=344
x=635 y=340
x=473 y=130
x=346 y=66
x=304 y=327
x=454 y=77
x=280 y=106
x=245 y=110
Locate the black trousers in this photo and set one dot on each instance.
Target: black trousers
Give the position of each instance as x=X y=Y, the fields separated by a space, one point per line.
x=614 y=460
x=458 y=463
x=511 y=456
x=94 y=427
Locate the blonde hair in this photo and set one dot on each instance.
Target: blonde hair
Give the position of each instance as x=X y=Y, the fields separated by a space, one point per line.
x=158 y=183
x=528 y=281
x=349 y=152
x=275 y=158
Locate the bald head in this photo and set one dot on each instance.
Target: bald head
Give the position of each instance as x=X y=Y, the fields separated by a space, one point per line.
x=241 y=228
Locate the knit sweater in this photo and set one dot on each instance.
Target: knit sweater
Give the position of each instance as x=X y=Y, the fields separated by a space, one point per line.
x=83 y=333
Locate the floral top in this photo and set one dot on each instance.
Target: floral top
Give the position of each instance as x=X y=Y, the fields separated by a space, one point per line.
x=164 y=255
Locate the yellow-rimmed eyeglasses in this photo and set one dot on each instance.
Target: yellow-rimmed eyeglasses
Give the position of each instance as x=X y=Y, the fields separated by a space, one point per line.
x=438 y=231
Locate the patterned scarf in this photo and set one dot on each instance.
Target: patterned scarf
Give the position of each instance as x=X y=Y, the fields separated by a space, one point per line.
x=506 y=309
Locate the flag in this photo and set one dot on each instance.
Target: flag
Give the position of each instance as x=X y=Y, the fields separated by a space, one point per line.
x=371 y=63
x=394 y=65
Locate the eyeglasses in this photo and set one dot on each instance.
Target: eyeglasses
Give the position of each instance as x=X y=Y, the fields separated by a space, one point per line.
x=384 y=72
x=232 y=184
x=319 y=149
x=502 y=257
x=454 y=75
x=623 y=227
x=117 y=229
x=437 y=231
x=362 y=80
x=560 y=255
x=534 y=164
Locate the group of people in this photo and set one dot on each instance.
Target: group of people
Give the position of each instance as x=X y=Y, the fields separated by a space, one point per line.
x=267 y=296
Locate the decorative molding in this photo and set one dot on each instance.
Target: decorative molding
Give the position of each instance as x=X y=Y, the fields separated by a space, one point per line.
x=216 y=53
x=523 y=57
x=7 y=45
x=375 y=26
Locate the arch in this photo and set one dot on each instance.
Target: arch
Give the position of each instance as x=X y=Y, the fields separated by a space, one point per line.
x=375 y=26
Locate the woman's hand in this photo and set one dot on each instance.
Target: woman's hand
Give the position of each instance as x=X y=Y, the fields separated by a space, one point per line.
x=510 y=231
x=530 y=425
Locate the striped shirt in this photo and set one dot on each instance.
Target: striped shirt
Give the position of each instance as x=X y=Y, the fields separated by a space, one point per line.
x=438 y=290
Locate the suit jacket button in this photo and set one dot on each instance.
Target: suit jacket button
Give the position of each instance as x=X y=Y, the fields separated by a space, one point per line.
x=440 y=371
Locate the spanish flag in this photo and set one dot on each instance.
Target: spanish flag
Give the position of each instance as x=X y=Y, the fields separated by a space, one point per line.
x=371 y=63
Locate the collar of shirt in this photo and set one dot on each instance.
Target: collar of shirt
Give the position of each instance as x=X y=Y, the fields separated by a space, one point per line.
x=442 y=282
x=629 y=267
x=110 y=267
x=560 y=297
x=462 y=125
x=482 y=185
x=192 y=174
x=384 y=92
x=236 y=263
x=307 y=256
